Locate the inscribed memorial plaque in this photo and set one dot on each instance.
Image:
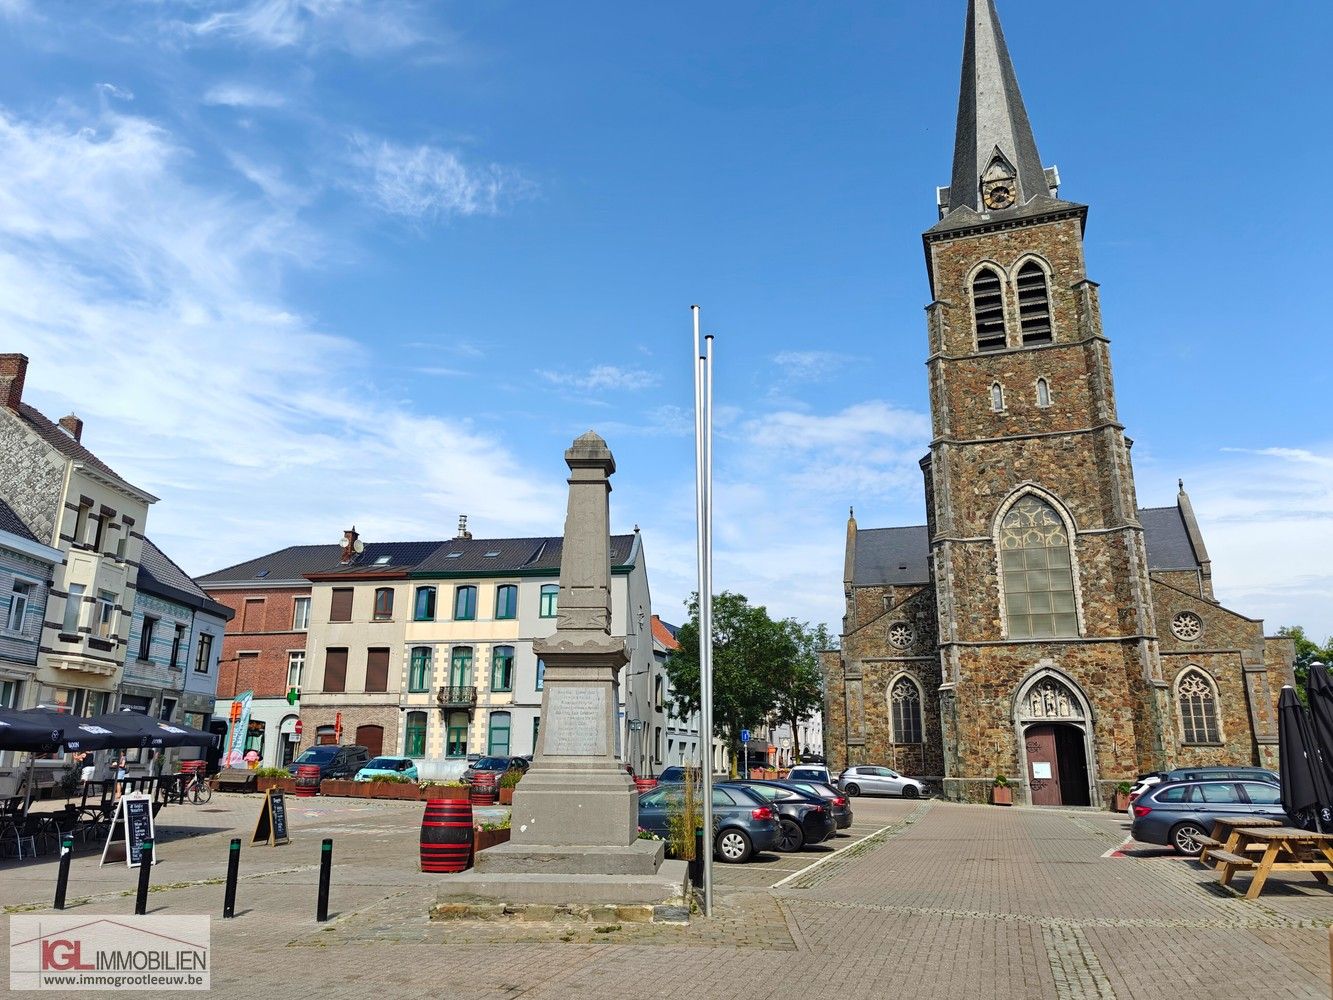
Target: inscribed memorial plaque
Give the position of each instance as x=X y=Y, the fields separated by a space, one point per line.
x=577 y=722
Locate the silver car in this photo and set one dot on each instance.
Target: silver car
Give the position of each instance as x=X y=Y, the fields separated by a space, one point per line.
x=875 y=780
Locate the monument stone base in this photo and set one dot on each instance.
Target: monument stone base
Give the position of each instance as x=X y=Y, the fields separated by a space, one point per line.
x=668 y=885
x=643 y=857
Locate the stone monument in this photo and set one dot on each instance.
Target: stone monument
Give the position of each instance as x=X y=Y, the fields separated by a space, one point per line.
x=574 y=832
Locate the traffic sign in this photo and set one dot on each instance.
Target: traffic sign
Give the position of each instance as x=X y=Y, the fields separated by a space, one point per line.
x=297 y=728
x=745 y=736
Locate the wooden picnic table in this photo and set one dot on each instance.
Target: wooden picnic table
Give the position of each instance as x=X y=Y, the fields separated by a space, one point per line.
x=1226 y=837
x=1285 y=849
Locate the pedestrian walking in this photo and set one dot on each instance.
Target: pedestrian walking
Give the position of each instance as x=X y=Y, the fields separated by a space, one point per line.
x=120 y=774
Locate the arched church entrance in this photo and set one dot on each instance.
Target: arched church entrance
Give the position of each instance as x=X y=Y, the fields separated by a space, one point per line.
x=1054 y=728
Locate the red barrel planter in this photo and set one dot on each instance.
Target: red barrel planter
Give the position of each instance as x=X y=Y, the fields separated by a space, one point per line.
x=644 y=784
x=307 y=780
x=446 y=836
x=484 y=789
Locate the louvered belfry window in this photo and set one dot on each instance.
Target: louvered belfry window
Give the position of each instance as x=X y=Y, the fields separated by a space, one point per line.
x=1034 y=304
x=988 y=304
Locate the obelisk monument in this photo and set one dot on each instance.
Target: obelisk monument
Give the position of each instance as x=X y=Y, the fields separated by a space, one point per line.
x=575 y=813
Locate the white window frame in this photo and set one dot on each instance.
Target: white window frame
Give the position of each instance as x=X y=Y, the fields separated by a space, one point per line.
x=292 y=663
x=18 y=605
x=300 y=614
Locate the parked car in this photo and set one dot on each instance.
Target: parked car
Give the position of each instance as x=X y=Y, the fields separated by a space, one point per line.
x=805 y=818
x=1237 y=773
x=744 y=822
x=1141 y=784
x=875 y=780
x=397 y=767
x=334 y=761
x=810 y=772
x=834 y=801
x=493 y=765
x=1178 y=813
x=839 y=804
x=676 y=773
x=812 y=758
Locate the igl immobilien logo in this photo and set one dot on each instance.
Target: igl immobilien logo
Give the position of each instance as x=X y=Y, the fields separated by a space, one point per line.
x=109 y=953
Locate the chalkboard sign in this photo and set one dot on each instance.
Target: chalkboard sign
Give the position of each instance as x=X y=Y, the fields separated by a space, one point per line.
x=272 y=826
x=131 y=825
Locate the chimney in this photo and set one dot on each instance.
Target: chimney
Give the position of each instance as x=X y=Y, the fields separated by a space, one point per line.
x=72 y=426
x=462 y=527
x=13 y=370
x=350 y=545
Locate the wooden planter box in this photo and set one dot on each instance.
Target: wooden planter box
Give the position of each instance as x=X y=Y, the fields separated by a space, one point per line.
x=1001 y=795
x=1120 y=801
x=286 y=785
x=341 y=786
x=444 y=792
x=482 y=839
x=506 y=796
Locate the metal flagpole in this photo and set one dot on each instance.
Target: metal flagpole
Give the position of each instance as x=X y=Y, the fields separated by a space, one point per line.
x=707 y=623
x=705 y=642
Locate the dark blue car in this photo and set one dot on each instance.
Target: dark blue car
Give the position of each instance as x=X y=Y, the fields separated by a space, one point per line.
x=1178 y=814
x=745 y=823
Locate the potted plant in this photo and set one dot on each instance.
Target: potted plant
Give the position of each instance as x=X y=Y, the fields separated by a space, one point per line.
x=508 y=781
x=428 y=790
x=1121 y=801
x=272 y=777
x=1001 y=794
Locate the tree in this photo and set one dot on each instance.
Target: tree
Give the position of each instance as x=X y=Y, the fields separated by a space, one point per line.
x=1307 y=651
x=799 y=683
x=750 y=651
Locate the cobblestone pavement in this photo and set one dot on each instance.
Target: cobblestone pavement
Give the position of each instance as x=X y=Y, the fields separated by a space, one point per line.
x=940 y=901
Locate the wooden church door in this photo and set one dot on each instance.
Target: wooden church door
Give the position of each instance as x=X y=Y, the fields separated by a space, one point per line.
x=1043 y=766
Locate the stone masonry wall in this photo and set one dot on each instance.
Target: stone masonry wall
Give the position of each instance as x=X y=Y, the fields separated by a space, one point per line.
x=32 y=477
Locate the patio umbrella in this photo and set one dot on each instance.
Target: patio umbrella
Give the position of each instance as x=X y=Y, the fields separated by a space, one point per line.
x=134 y=729
x=1305 y=787
x=29 y=731
x=1319 y=691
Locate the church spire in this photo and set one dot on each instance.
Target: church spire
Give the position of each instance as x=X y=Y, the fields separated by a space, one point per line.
x=995 y=160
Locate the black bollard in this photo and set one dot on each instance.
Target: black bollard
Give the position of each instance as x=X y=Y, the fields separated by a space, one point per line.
x=62 y=874
x=145 y=873
x=233 y=869
x=325 y=871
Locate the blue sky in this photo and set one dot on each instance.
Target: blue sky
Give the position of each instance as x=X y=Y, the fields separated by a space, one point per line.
x=304 y=263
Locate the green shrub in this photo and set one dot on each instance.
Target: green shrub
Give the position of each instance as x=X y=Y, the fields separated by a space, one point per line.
x=1001 y=781
x=511 y=778
x=393 y=779
x=272 y=772
x=442 y=784
x=1124 y=788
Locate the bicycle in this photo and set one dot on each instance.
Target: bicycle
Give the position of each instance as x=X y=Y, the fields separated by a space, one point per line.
x=198 y=790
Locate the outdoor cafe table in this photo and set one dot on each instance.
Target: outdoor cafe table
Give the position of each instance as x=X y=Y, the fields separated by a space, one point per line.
x=1298 y=850
x=1225 y=832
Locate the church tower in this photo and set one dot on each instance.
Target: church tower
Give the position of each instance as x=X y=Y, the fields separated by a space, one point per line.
x=1048 y=648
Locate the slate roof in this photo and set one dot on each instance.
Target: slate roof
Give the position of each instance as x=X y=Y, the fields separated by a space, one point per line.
x=893 y=557
x=294 y=562
x=62 y=442
x=1167 y=539
x=159 y=575
x=9 y=521
x=509 y=555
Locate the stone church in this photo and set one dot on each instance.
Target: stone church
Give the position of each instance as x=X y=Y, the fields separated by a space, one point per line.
x=1040 y=625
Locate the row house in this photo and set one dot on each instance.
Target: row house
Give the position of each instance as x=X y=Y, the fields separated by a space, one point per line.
x=70 y=500
x=27 y=568
x=417 y=648
x=171 y=669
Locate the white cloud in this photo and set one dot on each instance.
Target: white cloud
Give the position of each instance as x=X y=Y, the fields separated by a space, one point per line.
x=810 y=366
x=111 y=90
x=1267 y=519
x=154 y=309
x=604 y=377
x=243 y=95
x=429 y=183
x=355 y=26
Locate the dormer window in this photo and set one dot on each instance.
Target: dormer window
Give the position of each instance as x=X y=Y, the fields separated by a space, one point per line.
x=1034 y=306
x=988 y=307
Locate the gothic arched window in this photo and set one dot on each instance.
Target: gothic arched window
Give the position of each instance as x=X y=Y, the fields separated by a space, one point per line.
x=988 y=307
x=1034 y=304
x=1038 y=575
x=997 y=398
x=1198 y=708
x=1043 y=393
x=905 y=710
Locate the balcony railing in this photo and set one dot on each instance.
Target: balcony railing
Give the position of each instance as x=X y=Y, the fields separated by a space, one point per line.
x=457 y=696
